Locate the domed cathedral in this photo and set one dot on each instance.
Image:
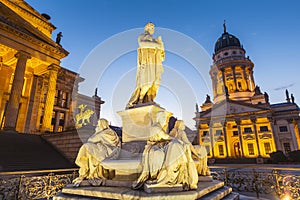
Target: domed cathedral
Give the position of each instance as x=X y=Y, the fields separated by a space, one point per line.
x=240 y=122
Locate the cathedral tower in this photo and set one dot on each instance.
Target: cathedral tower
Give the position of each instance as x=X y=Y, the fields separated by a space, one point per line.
x=232 y=72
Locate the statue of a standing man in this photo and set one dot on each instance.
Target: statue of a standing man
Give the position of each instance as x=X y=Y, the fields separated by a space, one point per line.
x=149 y=67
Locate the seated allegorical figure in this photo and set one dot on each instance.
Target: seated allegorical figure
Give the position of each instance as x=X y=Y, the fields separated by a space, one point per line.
x=167 y=160
x=198 y=152
x=104 y=143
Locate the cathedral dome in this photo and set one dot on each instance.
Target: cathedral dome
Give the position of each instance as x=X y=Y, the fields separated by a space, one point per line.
x=227 y=40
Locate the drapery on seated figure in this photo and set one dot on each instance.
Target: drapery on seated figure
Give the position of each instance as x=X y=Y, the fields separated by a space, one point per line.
x=149 y=67
x=104 y=143
x=167 y=160
x=198 y=152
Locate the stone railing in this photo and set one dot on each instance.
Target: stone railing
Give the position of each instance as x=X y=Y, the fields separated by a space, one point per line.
x=42 y=184
x=281 y=182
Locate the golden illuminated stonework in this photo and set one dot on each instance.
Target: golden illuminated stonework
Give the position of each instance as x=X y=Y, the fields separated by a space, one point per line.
x=83 y=117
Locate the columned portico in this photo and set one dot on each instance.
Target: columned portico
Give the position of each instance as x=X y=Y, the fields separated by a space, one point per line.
x=12 y=110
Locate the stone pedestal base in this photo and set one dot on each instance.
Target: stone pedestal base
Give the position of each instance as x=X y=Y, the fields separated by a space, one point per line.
x=206 y=190
x=137 y=122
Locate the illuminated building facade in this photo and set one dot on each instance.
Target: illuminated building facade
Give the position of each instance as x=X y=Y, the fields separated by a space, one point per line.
x=35 y=91
x=240 y=122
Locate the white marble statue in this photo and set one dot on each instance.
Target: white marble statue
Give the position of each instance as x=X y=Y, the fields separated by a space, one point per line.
x=104 y=143
x=167 y=160
x=149 y=67
x=198 y=152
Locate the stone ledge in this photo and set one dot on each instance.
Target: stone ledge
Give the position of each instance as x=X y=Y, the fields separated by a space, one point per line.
x=204 y=188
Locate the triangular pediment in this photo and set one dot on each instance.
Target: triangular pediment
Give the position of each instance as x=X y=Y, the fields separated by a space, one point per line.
x=13 y=20
x=12 y=23
x=229 y=107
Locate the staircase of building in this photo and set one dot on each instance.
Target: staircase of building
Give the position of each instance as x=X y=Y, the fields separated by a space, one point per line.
x=20 y=151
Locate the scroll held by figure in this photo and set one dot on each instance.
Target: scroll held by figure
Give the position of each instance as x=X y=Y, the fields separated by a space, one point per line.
x=103 y=144
x=150 y=56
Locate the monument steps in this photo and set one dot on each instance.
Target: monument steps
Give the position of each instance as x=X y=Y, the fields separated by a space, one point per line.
x=218 y=194
x=213 y=190
x=232 y=196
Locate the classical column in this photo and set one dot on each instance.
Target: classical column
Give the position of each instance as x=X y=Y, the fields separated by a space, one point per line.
x=245 y=77
x=56 y=123
x=12 y=110
x=211 y=141
x=253 y=120
x=252 y=79
x=238 y=122
x=234 y=77
x=53 y=70
x=275 y=134
x=223 y=78
x=214 y=83
x=293 y=134
x=225 y=138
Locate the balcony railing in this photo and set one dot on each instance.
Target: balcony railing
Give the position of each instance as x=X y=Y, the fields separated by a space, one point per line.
x=42 y=184
x=281 y=182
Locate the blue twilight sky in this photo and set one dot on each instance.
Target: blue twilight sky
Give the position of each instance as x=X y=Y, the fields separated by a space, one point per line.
x=269 y=30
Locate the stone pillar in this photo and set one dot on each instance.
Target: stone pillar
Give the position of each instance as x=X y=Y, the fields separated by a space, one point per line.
x=211 y=141
x=223 y=78
x=293 y=134
x=245 y=77
x=214 y=83
x=56 y=123
x=275 y=134
x=225 y=138
x=11 y=114
x=30 y=110
x=53 y=70
x=253 y=120
x=234 y=77
x=238 y=122
x=252 y=79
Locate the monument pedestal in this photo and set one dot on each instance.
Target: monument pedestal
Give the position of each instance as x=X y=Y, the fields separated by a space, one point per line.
x=206 y=190
x=137 y=122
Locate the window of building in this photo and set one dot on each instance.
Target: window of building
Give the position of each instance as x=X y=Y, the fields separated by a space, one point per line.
x=263 y=129
x=287 y=147
x=205 y=133
x=267 y=146
x=53 y=120
x=221 y=150
x=61 y=118
x=64 y=100
x=251 y=149
x=234 y=52
x=219 y=132
x=283 y=129
x=59 y=128
x=247 y=130
x=239 y=85
x=235 y=133
x=56 y=98
x=226 y=54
